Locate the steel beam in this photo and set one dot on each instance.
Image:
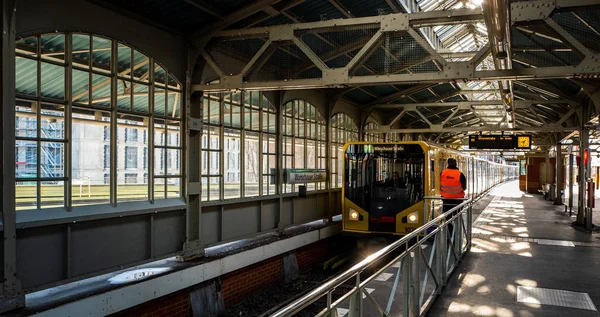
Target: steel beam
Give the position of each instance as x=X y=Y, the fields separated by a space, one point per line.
x=12 y=295
x=487 y=128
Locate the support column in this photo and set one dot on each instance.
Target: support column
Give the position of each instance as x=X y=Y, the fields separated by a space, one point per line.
x=12 y=295
x=583 y=144
x=559 y=168
x=193 y=247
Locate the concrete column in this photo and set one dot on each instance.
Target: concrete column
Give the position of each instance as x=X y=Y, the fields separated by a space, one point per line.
x=559 y=165
x=11 y=295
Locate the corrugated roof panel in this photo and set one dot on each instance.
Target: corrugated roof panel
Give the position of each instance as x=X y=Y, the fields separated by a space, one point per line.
x=381 y=90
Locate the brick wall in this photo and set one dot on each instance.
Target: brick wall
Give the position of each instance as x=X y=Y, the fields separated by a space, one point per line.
x=173 y=305
x=243 y=282
x=235 y=286
x=311 y=254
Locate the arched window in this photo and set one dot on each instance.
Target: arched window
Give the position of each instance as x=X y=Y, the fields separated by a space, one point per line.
x=238 y=146
x=93 y=115
x=304 y=140
x=372 y=136
x=343 y=130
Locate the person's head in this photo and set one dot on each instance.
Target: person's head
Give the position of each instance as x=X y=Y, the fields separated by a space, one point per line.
x=452 y=163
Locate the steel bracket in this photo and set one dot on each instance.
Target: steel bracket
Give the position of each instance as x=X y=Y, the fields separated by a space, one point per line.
x=191 y=250
x=458 y=69
x=394 y=22
x=521 y=104
x=195 y=124
x=283 y=33
x=384 y=128
x=531 y=10
x=232 y=81
x=335 y=76
x=590 y=65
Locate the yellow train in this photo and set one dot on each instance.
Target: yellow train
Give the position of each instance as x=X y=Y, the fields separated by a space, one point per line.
x=385 y=183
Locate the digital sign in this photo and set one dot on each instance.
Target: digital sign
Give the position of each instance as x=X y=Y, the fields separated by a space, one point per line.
x=500 y=142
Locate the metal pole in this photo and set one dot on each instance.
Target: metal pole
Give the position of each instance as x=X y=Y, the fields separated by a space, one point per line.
x=12 y=293
x=570 y=185
x=581 y=217
x=559 y=169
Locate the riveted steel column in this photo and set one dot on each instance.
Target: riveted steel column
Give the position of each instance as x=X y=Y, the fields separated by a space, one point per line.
x=583 y=144
x=12 y=293
x=559 y=169
x=193 y=119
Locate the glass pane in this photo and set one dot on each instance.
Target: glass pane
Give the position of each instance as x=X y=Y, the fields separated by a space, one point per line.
x=27 y=46
x=53 y=47
x=53 y=81
x=101 y=54
x=159 y=161
x=214 y=163
x=204 y=182
x=52 y=160
x=80 y=86
x=159 y=188
x=81 y=50
x=124 y=60
x=26 y=195
x=159 y=132
x=25 y=120
x=26 y=76
x=215 y=187
x=205 y=109
x=123 y=95
x=251 y=164
x=90 y=157
x=299 y=154
x=52 y=194
x=214 y=111
x=53 y=122
x=233 y=162
x=173 y=162
x=173 y=82
x=227 y=113
x=140 y=98
x=159 y=75
x=214 y=138
x=159 y=101
x=26 y=159
x=140 y=66
x=174 y=104
x=173 y=187
x=100 y=90
x=132 y=159
x=173 y=134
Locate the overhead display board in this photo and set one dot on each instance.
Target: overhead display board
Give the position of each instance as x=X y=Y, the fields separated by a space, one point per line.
x=500 y=142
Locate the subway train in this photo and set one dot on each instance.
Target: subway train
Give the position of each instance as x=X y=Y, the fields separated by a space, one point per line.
x=385 y=184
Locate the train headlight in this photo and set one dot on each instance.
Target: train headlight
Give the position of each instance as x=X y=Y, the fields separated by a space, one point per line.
x=412 y=217
x=353 y=214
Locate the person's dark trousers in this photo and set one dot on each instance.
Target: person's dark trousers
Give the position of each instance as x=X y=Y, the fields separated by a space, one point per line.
x=447 y=205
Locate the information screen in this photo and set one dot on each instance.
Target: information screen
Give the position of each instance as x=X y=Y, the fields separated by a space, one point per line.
x=499 y=142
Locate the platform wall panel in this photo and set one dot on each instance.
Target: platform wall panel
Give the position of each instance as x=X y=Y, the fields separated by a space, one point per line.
x=305 y=209
x=41 y=255
x=269 y=213
x=210 y=225
x=240 y=220
x=168 y=234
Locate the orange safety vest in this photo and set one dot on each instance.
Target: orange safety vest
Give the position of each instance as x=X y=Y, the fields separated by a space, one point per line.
x=450 y=186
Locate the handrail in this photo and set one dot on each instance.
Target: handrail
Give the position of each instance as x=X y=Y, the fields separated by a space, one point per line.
x=322 y=290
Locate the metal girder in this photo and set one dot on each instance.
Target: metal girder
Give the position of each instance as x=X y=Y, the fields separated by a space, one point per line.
x=463 y=105
x=488 y=128
x=542 y=9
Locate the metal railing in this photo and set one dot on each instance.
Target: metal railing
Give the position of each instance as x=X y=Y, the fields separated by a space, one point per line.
x=422 y=269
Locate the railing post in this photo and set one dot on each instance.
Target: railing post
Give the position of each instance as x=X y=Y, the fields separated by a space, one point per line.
x=469 y=226
x=415 y=282
x=406 y=268
x=440 y=267
x=356 y=300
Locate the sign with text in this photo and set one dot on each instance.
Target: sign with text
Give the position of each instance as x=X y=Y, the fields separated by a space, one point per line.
x=302 y=176
x=500 y=142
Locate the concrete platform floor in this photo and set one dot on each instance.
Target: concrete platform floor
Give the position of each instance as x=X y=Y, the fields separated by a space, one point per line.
x=507 y=254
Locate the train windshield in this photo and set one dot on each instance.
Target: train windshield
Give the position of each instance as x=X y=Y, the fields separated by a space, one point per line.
x=384 y=179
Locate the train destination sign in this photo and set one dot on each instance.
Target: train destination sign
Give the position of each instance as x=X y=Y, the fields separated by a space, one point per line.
x=500 y=142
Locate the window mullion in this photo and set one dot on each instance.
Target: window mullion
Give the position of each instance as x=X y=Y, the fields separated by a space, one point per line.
x=67 y=155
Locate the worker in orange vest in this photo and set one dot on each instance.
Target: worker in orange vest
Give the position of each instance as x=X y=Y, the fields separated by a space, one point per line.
x=453 y=184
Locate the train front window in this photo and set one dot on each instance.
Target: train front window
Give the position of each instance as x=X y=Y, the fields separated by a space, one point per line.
x=384 y=179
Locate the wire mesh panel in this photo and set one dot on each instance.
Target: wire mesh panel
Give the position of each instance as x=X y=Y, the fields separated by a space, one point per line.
x=396 y=53
x=232 y=55
x=287 y=62
x=582 y=25
x=536 y=45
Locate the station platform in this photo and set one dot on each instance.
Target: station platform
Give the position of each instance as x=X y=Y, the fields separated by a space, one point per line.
x=526 y=260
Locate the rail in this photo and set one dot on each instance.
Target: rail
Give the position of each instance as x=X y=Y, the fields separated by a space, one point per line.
x=422 y=276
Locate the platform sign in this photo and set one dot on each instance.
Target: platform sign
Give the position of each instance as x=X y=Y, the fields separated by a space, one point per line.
x=500 y=142
x=302 y=176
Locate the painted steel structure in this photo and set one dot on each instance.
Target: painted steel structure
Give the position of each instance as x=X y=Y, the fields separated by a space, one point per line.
x=385 y=70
